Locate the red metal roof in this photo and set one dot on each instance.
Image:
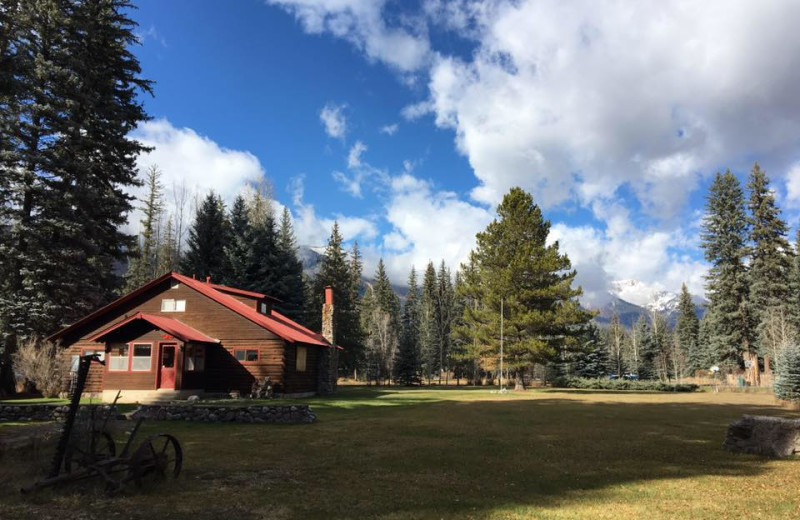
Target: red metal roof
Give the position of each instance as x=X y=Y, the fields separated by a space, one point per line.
x=169 y=325
x=276 y=323
x=242 y=292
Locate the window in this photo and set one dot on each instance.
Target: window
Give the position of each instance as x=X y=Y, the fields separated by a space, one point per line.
x=246 y=355
x=302 y=353
x=170 y=305
x=262 y=307
x=118 y=357
x=142 y=355
x=175 y=285
x=195 y=358
x=76 y=359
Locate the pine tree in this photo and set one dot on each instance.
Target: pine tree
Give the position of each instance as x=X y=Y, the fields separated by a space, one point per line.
x=657 y=347
x=444 y=315
x=731 y=327
x=429 y=324
x=67 y=104
x=459 y=355
x=687 y=330
x=335 y=271
x=208 y=236
x=407 y=362
x=168 y=254
x=787 y=374
x=238 y=247
x=291 y=271
x=594 y=362
x=533 y=280
x=263 y=273
x=473 y=343
x=793 y=298
x=638 y=345
x=144 y=265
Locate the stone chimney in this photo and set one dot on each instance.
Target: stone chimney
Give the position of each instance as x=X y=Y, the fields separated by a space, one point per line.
x=329 y=358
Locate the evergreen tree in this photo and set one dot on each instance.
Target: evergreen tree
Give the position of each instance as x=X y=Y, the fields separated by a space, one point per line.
x=534 y=280
x=429 y=324
x=444 y=316
x=407 y=362
x=638 y=345
x=144 y=265
x=291 y=271
x=335 y=271
x=208 y=236
x=657 y=348
x=473 y=343
x=787 y=374
x=594 y=362
x=687 y=330
x=238 y=246
x=67 y=104
x=263 y=272
x=731 y=326
x=793 y=298
x=459 y=355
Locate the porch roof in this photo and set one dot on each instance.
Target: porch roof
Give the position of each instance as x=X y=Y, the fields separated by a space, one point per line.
x=169 y=325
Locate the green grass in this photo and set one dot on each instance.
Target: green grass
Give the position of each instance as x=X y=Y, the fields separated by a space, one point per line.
x=457 y=453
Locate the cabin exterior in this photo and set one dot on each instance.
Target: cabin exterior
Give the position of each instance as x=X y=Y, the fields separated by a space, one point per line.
x=177 y=336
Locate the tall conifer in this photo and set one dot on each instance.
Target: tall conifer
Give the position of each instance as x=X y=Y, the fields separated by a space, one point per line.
x=208 y=235
x=688 y=330
x=407 y=362
x=291 y=271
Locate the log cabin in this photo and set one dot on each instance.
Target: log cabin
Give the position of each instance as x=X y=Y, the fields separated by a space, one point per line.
x=176 y=336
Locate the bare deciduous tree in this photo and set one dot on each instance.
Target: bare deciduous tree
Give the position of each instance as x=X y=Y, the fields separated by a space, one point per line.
x=40 y=363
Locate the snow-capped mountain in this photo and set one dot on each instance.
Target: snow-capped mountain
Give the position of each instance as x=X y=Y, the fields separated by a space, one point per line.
x=631 y=298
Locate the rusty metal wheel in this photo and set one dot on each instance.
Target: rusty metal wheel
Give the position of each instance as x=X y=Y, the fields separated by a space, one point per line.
x=159 y=456
x=104 y=448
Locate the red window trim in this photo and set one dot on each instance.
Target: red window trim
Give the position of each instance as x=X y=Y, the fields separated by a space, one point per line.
x=129 y=369
x=245 y=349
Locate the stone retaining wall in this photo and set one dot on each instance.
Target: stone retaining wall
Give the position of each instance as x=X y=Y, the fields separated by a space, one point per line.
x=45 y=412
x=272 y=414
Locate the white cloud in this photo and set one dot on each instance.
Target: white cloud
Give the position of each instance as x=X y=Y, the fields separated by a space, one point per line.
x=793 y=186
x=575 y=99
x=401 y=43
x=333 y=120
x=354 y=157
x=390 y=129
x=314 y=230
x=186 y=157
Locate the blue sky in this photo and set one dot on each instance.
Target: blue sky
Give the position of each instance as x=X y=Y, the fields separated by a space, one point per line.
x=408 y=121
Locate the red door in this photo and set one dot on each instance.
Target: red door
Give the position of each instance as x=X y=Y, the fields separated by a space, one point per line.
x=166 y=367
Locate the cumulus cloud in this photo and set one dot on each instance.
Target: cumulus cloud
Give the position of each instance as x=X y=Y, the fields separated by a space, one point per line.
x=334 y=120
x=400 y=43
x=186 y=158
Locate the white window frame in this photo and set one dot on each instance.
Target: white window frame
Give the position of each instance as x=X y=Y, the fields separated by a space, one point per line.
x=172 y=305
x=134 y=357
x=112 y=357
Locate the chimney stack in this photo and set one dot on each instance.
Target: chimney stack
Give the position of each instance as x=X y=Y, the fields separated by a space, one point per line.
x=208 y=279
x=327 y=315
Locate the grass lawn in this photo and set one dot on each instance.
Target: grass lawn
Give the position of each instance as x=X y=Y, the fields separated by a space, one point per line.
x=401 y=454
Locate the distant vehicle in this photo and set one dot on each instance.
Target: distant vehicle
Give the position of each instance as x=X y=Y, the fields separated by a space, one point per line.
x=613 y=377
x=631 y=377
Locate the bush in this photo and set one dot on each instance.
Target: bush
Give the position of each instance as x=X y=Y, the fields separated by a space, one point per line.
x=40 y=363
x=787 y=374
x=622 y=384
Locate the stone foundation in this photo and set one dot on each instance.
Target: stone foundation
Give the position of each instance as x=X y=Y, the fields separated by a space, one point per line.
x=272 y=414
x=46 y=412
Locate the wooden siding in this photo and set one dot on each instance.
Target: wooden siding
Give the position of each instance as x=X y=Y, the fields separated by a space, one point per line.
x=301 y=382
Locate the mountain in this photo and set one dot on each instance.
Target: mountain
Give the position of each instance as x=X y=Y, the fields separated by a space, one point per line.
x=632 y=298
x=311 y=258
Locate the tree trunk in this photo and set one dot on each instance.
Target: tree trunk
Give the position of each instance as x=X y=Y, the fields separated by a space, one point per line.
x=752 y=374
x=519 y=381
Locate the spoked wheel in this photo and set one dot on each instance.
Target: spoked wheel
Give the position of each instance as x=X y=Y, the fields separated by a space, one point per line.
x=160 y=456
x=104 y=448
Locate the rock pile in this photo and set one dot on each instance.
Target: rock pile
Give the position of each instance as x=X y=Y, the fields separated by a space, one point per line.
x=771 y=436
x=46 y=412
x=274 y=414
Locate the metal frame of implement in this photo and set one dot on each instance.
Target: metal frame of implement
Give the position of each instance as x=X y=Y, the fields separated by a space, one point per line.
x=158 y=456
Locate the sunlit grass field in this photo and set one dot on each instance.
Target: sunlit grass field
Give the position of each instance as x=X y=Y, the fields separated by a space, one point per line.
x=456 y=453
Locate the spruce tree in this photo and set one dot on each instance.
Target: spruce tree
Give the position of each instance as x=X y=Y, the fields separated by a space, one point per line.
x=238 y=246
x=335 y=271
x=67 y=104
x=687 y=329
x=533 y=281
x=444 y=315
x=639 y=343
x=291 y=271
x=208 y=235
x=407 y=362
x=787 y=374
x=594 y=361
x=616 y=339
x=263 y=271
x=731 y=327
x=429 y=324
x=382 y=325
x=473 y=343
x=793 y=298
x=144 y=264
x=168 y=254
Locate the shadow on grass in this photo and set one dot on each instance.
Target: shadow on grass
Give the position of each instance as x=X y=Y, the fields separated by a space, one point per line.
x=408 y=454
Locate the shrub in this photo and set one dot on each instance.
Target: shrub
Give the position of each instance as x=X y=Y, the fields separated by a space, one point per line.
x=622 y=384
x=787 y=374
x=40 y=363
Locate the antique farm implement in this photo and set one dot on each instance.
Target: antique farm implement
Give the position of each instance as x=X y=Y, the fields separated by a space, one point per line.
x=78 y=457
